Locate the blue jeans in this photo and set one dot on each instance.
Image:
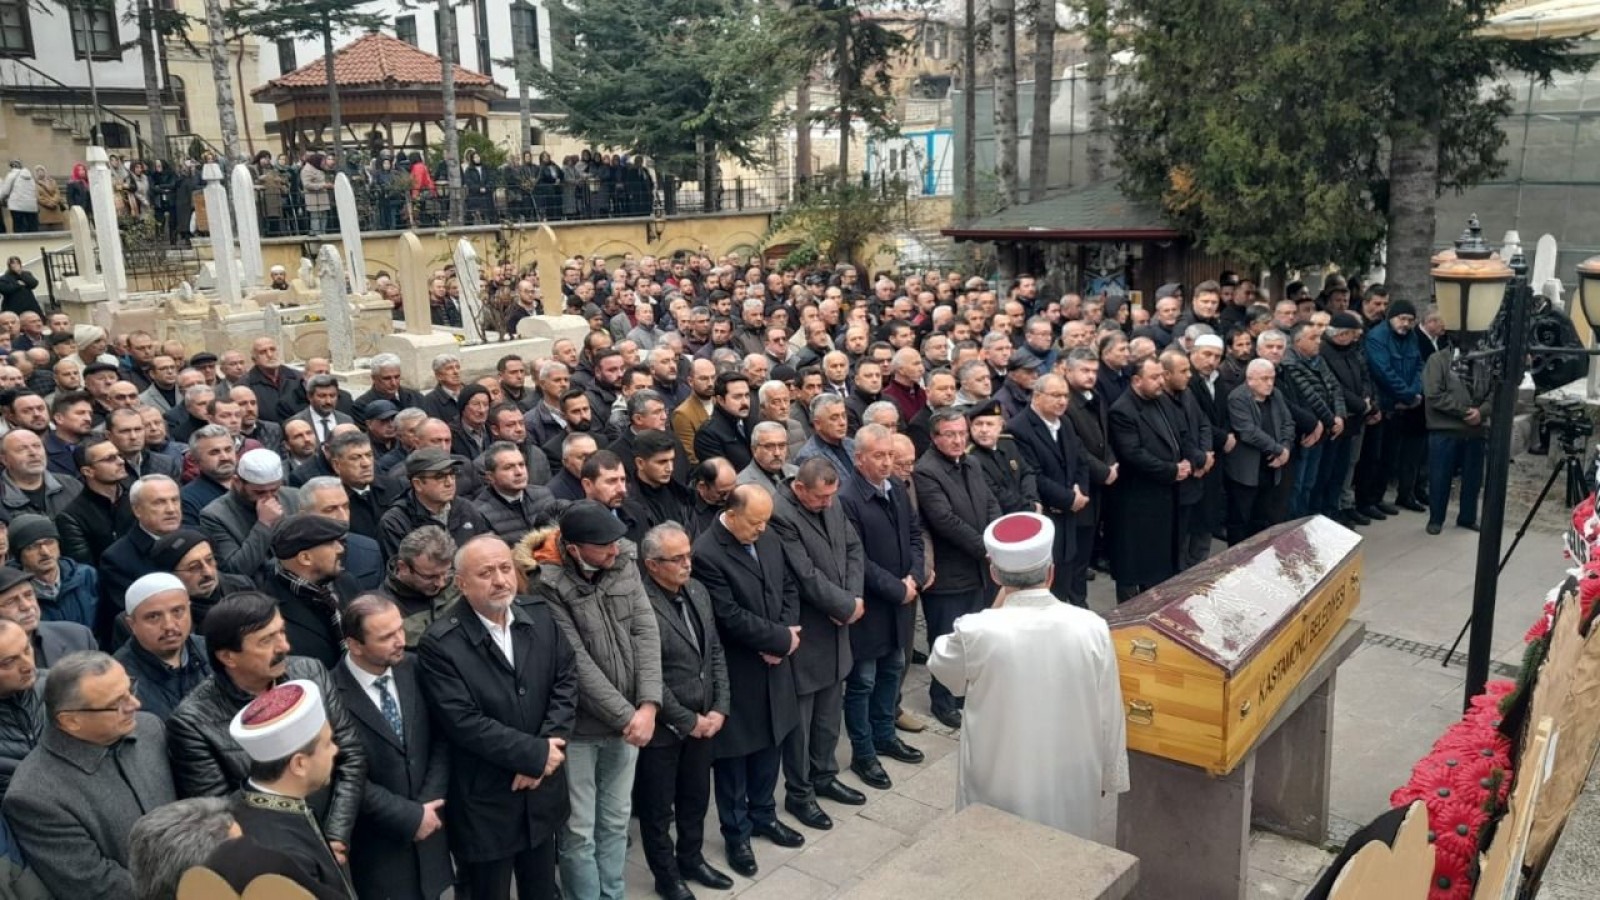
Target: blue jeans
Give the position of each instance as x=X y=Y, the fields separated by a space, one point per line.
x=871 y=700
x=1307 y=463
x=594 y=840
x=1445 y=453
x=1331 y=475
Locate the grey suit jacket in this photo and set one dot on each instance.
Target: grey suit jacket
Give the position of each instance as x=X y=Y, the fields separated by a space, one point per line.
x=694 y=670
x=754 y=474
x=71 y=806
x=1260 y=432
x=53 y=640
x=826 y=558
x=241 y=543
x=305 y=416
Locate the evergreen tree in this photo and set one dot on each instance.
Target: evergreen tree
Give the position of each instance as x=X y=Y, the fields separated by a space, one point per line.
x=1292 y=153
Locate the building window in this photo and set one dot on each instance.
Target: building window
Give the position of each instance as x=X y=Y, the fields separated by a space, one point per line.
x=935 y=40
x=94 y=33
x=525 y=30
x=16 y=37
x=286 y=56
x=405 y=28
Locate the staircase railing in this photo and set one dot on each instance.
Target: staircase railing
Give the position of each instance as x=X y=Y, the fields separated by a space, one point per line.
x=65 y=103
x=180 y=145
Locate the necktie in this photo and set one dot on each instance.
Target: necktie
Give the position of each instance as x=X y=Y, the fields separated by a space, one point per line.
x=327 y=427
x=751 y=549
x=388 y=706
x=688 y=619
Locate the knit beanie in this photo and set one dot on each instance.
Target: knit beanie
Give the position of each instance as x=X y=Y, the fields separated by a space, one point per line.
x=29 y=529
x=1402 y=308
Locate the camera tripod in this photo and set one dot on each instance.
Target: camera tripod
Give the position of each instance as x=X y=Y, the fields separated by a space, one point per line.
x=1577 y=485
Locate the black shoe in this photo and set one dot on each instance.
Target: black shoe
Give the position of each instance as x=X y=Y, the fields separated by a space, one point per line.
x=674 y=890
x=950 y=718
x=1470 y=526
x=1090 y=576
x=1388 y=509
x=1411 y=504
x=742 y=859
x=918 y=658
x=711 y=878
x=898 y=749
x=871 y=773
x=1355 y=517
x=809 y=814
x=1372 y=513
x=780 y=834
x=1539 y=450
x=1434 y=528
x=839 y=792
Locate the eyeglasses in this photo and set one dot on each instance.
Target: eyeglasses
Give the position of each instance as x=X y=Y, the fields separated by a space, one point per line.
x=679 y=560
x=127 y=703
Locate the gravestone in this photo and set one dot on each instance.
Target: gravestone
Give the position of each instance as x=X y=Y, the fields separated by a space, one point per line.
x=244 y=213
x=413 y=264
x=82 y=242
x=221 y=225
x=336 y=310
x=272 y=324
x=113 y=272
x=468 y=275
x=344 y=200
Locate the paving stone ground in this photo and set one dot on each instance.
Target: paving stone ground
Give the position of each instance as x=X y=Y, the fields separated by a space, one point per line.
x=1393 y=700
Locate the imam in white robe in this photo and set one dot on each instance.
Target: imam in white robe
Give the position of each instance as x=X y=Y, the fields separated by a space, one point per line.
x=1042 y=733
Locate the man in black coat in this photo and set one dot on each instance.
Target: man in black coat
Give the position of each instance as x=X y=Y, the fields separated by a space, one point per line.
x=1195 y=431
x=727 y=432
x=157 y=512
x=1142 y=522
x=1207 y=517
x=399 y=849
x=308 y=579
x=502 y=684
x=385 y=369
x=824 y=554
x=956 y=505
x=673 y=775
x=275 y=384
x=1087 y=412
x=1051 y=446
x=742 y=565
x=880 y=510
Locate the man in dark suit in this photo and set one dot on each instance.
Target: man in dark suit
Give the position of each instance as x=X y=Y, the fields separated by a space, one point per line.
x=1195 y=434
x=1087 y=413
x=879 y=506
x=957 y=505
x=157 y=511
x=727 y=432
x=1050 y=444
x=1142 y=526
x=385 y=369
x=363 y=558
x=352 y=459
x=1207 y=518
x=825 y=558
x=399 y=848
x=274 y=383
x=502 y=684
x=673 y=775
x=322 y=408
x=758 y=619
x=444 y=401
x=1265 y=428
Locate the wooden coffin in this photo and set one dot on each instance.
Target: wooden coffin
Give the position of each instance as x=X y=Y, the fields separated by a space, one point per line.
x=1208 y=657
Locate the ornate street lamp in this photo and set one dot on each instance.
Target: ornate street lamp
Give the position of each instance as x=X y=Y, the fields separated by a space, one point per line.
x=1490 y=299
x=1470 y=284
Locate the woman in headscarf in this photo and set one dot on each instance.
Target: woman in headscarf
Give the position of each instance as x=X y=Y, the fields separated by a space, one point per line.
x=78 y=188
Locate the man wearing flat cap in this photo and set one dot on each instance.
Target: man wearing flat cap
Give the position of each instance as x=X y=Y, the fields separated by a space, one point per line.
x=1017 y=391
x=286 y=734
x=188 y=555
x=51 y=640
x=308 y=579
x=595 y=594
x=239 y=523
x=1049 y=769
x=432 y=474
x=163 y=655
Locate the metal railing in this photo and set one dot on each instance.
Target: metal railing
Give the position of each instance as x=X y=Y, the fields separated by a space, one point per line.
x=184 y=146
x=58 y=265
x=50 y=97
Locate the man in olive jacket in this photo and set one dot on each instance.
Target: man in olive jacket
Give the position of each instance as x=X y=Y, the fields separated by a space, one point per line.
x=597 y=599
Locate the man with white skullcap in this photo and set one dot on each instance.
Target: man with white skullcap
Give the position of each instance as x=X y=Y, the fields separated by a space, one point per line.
x=286 y=734
x=1205 y=361
x=1053 y=769
x=164 y=656
x=239 y=524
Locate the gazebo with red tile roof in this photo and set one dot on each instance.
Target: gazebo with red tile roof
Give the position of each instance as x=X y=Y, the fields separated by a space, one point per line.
x=382 y=80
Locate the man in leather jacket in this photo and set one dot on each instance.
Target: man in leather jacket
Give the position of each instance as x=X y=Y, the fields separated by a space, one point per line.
x=244 y=636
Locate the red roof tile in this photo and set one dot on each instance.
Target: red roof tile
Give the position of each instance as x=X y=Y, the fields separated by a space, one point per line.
x=377 y=59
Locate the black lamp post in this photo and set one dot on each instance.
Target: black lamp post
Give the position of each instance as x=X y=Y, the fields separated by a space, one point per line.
x=1489 y=302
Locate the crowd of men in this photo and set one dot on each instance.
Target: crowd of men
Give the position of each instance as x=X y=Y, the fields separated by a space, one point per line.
x=458 y=633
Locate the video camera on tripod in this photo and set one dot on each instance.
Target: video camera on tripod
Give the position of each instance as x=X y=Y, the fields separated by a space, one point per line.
x=1567 y=419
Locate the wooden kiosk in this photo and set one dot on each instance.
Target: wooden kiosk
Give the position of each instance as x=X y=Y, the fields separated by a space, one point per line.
x=1227 y=683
